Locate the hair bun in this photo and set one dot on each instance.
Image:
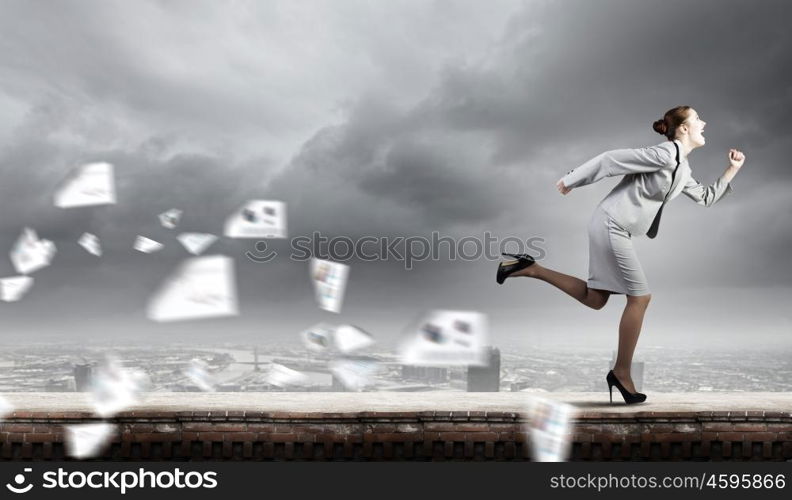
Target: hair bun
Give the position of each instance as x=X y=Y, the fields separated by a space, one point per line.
x=660 y=127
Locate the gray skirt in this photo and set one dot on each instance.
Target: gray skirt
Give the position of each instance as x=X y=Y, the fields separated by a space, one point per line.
x=613 y=263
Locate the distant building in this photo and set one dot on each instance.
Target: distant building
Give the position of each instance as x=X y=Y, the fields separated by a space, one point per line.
x=485 y=378
x=427 y=374
x=83 y=372
x=337 y=385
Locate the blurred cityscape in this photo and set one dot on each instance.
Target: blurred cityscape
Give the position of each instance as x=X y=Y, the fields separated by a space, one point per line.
x=236 y=368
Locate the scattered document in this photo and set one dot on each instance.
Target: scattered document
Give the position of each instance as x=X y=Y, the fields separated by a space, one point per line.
x=171 y=218
x=354 y=374
x=91 y=244
x=283 y=376
x=6 y=408
x=88 y=440
x=90 y=184
x=258 y=219
x=447 y=338
x=549 y=429
x=319 y=337
x=198 y=373
x=330 y=279
x=196 y=243
x=13 y=289
x=146 y=245
x=202 y=287
x=115 y=388
x=348 y=338
x=29 y=253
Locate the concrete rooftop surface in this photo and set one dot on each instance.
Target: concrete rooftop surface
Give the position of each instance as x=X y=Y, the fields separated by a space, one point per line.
x=342 y=402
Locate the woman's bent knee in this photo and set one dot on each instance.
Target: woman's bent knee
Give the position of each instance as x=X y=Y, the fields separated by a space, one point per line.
x=640 y=299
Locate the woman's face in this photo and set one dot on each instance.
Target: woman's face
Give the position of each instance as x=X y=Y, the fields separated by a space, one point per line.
x=695 y=128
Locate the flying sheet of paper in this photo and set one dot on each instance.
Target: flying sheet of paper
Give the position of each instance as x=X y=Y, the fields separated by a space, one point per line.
x=329 y=279
x=348 y=338
x=115 y=388
x=6 y=408
x=257 y=219
x=90 y=184
x=283 y=376
x=202 y=287
x=354 y=374
x=196 y=243
x=14 y=288
x=146 y=245
x=29 y=253
x=198 y=373
x=549 y=429
x=447 y=338
x=170 y=218
x=319 y=337
x=91 y=244
x=88 y=440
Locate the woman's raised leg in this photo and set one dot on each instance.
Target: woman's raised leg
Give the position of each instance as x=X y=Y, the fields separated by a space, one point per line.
x=574 y=287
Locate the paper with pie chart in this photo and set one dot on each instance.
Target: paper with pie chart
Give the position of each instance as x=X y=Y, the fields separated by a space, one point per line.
x=257 y=219
x=329 y=279
x=549 y=429
x=446 y=338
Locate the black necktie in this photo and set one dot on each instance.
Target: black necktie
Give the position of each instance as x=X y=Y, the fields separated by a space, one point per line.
x=656 y=222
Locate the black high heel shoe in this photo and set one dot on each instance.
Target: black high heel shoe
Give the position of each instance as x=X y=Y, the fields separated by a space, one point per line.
x=505 y=269
x=629 y=398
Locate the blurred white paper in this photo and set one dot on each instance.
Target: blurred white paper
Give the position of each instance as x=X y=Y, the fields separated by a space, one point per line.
x=145 y=245
x=198 y=373
x=91 y=244
x=283 y=376
x=258 y=219
x=202 y=287
x=348 y=338
x=14 y=288
x=88 y=440
x=354 y=374
x=196 y=243
x=6 y=408
x=549 y=429
x=329 y=280
x=447 y=338
x=30 y=253
x=90 y=184
x=115 y=388
x=171 y=218
x=319 y=337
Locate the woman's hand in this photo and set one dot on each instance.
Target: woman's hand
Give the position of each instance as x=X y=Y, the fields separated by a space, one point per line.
x=561 y=188
x=736 y=158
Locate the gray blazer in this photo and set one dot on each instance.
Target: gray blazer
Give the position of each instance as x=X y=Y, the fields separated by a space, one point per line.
x=635 y=200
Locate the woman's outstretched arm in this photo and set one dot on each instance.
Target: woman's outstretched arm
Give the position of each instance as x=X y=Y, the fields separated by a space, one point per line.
x=619 y=162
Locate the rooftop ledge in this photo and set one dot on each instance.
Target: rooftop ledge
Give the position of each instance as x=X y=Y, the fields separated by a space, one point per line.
x=341 y=402
x=405 y=426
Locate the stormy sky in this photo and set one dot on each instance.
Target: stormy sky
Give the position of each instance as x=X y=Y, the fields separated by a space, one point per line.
x=392 y=119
